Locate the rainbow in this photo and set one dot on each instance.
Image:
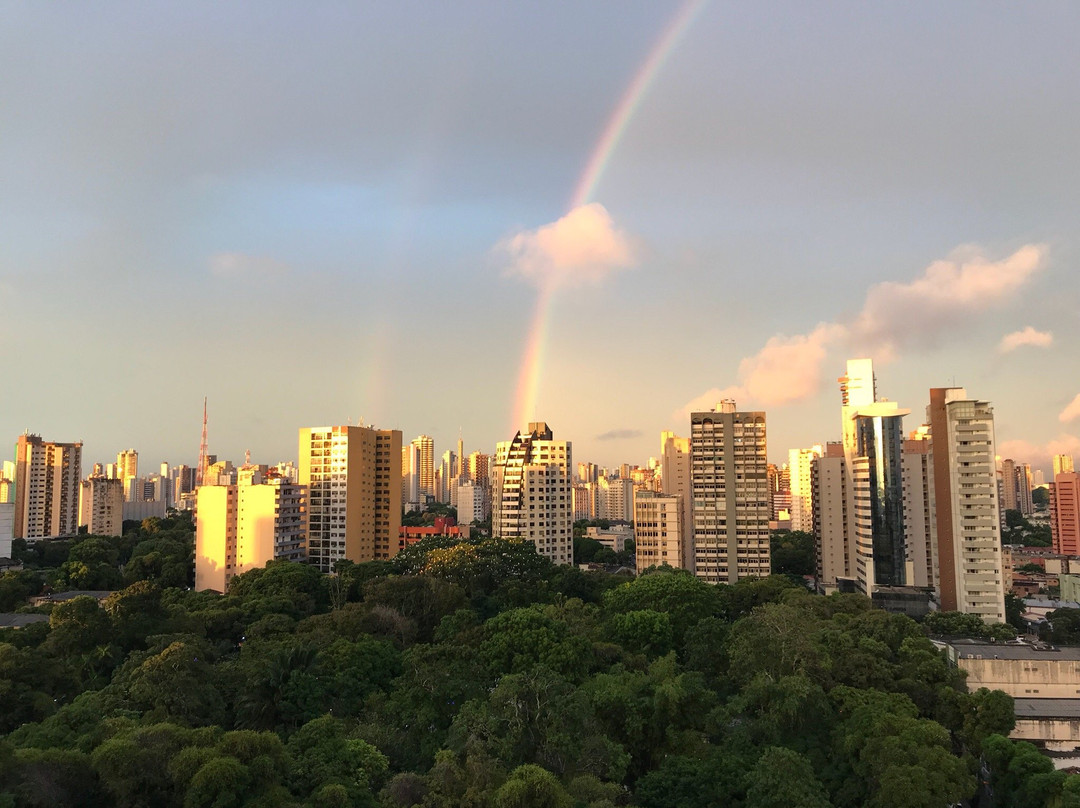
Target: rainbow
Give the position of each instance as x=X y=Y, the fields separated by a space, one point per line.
x=532 y=363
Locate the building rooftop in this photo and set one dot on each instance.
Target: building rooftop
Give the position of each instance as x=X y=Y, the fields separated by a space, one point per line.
x=11 y=620
x=971 y=649
x=1047 y=708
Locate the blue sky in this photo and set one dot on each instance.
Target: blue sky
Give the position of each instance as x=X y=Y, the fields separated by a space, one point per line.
x=296 y=211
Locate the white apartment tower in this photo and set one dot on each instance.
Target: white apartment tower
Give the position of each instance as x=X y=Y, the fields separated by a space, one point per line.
x=732 y=505
x=965 y=504
x=353 y=480
x=531 y=492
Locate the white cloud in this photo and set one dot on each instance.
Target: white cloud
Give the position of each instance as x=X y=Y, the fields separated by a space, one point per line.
x=237 y=264
x=947 y=293
x=582 y=247
x=1071 y=411
x=894 y=315
x=1026 y=336
x=1037 y=454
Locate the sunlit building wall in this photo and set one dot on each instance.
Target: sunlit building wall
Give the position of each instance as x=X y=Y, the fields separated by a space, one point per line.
x=426 y=445
x=353 y=480
x=215 y=537
x=675 y=466
x=47 y=480
x=1065 y=513
x=833 y=510
x=801 y=489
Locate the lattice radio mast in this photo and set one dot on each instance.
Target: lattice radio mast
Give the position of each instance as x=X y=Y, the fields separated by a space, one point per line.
x=203 y=449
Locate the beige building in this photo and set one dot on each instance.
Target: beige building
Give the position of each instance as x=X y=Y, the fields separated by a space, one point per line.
x=659 y=533
x=967 y=521
x=472 y=503
x=127 y=470
x=47 y=483
x=921 y=543
x=241 y=527
x=583 y=499
x=615 y=498
x=1044 y=682
x=425 y=470
x=834 y=543
x=101 y=506
x=353 y=479
x=731 y=501
x=675 y=478
x=801 y=487
x=532 y=496
x=1063 y=464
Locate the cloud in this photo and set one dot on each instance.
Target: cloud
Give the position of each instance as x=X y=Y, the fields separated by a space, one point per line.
x=620 y=434
x=893 y=315
x=583 y=247
x=949 y=291
x=1036 y=454
x=786 y=369
x=1026 y=336
x=1071 y=411
x=237 y=264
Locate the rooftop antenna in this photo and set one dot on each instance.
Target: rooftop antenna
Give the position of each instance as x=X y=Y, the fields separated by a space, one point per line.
x=203 y=449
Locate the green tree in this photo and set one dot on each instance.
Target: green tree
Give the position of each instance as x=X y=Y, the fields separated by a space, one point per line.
x=782 y=778
x=531 y=786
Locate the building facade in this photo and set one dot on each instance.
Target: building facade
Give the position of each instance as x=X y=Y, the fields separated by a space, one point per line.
x=353 y=479
x=659 y=534
x=1065 y=513
x=731 y=501
x=967 y=521
x=101 y=506
x=47 y=484
x=532 y=496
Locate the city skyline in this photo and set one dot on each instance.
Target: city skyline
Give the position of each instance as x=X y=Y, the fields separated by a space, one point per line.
x=748 y=196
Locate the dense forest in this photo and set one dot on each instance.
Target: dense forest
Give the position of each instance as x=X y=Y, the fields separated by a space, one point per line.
x=476 y=673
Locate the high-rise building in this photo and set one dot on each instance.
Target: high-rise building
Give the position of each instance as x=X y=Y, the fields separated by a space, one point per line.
x=127 y=469
x=101 y=506
x=447 y=475
x=729 y=480
x=920 y=532
x=1024 y=485
x=241 y=527
x=584 y=499
x=479 y=469
x=531 y=492
x=47 y=479
x=877 y=484
x=675 y=480
x=615 y=499
x=965 y=504
x=1009 y=500
x=1063 y=464
x=659 y=535
x=353 y=479
x=472 y=503
x=834 y=536
x=426 y=445
x=410 y=476
x=801 y=487
x=1065 y=513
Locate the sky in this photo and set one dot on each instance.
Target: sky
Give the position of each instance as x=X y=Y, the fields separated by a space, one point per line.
x=462 y=216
